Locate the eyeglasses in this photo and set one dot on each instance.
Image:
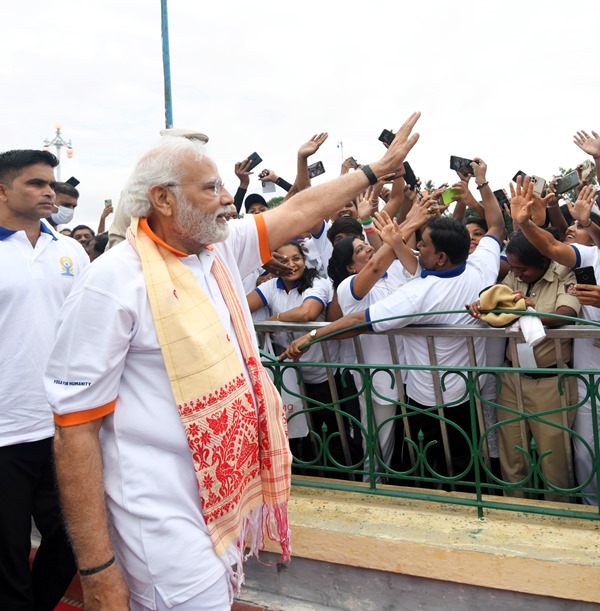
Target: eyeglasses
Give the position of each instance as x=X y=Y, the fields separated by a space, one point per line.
x=216 y=186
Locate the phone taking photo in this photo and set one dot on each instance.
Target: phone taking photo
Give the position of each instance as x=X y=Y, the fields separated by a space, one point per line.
x=462 y=165
x=353 y=163
x=107 y=203
x=386 y=136
x=316 y=169
x=254 y=159
x=502 y=198
x=410 y=179
x=585 y=275
x=567 y=182
x=449 y=195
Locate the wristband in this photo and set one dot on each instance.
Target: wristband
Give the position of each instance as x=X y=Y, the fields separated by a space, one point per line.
x=596 y=156
x=97 y=569
x=366 y=223
x=284 y=184
x=483 y=184
x=369 y=229
x=586 y=226
x=369 y=174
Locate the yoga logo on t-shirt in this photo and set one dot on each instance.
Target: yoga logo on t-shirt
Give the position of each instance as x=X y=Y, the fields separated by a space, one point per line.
x=66 y=265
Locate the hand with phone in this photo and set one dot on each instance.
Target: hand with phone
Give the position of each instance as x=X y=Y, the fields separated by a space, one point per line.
x=349 y=164
x=587 y=294
x=479 y=169
x=462 y=166
x=390 y=165
x=267 y=175
x=243 y=172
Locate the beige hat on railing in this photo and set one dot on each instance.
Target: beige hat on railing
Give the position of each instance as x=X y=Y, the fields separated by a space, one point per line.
x=499 y=297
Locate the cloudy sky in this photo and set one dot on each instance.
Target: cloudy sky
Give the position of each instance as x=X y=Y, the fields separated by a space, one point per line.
x=508 y=81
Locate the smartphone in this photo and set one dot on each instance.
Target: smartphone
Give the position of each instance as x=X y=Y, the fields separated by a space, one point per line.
x=316 y=169
x=410 y=179
x=449 y=194
x=521 y=174
x=586 y=168
x=255 y=159
x=386 y=136
x=585 y=275
x=107 y=203
x=567 y=182
x=352 y=162
x=539 y=185
x=502 y=198
x=462 y=165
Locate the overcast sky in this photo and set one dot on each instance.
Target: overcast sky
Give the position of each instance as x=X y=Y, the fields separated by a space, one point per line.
x=508 y=81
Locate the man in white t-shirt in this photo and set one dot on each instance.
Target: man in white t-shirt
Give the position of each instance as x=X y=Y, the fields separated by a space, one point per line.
x=121 y=449
x=39 y=268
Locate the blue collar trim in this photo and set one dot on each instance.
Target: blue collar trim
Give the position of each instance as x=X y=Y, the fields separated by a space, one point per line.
x=45 y=229
x=448 y=273
x=280 y=285
x=6 y=233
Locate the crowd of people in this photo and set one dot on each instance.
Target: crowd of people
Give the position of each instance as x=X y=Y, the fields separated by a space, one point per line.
x=164 y=432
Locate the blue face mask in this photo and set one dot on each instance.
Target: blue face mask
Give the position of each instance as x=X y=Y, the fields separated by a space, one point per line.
x=63 y=215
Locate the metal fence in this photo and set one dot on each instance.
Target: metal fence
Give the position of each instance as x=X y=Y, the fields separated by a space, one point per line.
x=449 y=452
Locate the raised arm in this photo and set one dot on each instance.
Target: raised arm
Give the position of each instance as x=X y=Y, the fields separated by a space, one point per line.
x=590 y=145
x=492 y=213
x=307 y=208
x=269 y=176
x=520 y=210
x=581 y=211
x=241 y=171
x=103 y=216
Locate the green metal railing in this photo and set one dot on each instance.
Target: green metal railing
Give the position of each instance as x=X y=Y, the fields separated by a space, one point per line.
x=427 y=469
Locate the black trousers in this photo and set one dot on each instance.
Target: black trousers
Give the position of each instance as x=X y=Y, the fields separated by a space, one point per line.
x=28 y=489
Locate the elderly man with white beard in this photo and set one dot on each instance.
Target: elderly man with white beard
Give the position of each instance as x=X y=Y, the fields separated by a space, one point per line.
x=171 y=444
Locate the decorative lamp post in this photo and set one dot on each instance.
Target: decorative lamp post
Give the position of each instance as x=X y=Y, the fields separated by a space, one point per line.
x=58 y=142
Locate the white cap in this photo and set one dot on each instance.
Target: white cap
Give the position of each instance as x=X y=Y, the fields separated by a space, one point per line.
x=192 y=134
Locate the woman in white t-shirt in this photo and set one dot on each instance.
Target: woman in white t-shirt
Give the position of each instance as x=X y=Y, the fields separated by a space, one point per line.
x=362 y=277
x=303 y=296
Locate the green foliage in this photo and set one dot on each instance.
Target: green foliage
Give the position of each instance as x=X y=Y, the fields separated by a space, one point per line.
x=428 y=186
x=274 y=202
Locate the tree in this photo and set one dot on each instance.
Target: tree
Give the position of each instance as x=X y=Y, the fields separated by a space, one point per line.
x=274 y=202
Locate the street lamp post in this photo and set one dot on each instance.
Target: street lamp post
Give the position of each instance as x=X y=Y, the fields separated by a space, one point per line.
x=58 y=142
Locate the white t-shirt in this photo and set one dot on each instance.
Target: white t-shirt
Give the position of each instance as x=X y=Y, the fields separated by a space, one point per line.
x=274 y=295
x=34 y=282
x=376 y=349
x=436 y=292
x=107 y=329
x=585 y=353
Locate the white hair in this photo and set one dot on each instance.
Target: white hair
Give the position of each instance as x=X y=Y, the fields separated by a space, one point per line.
x=161 y=165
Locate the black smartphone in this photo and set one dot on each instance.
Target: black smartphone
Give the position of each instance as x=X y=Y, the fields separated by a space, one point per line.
x=462 y=165
x=316 y=169
x=521 y=174
x=410 y=179
x=352 y=162
x=255 y=159
x=567 y=182
x=386 y=136
x=585 y=275
x=502 y=199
